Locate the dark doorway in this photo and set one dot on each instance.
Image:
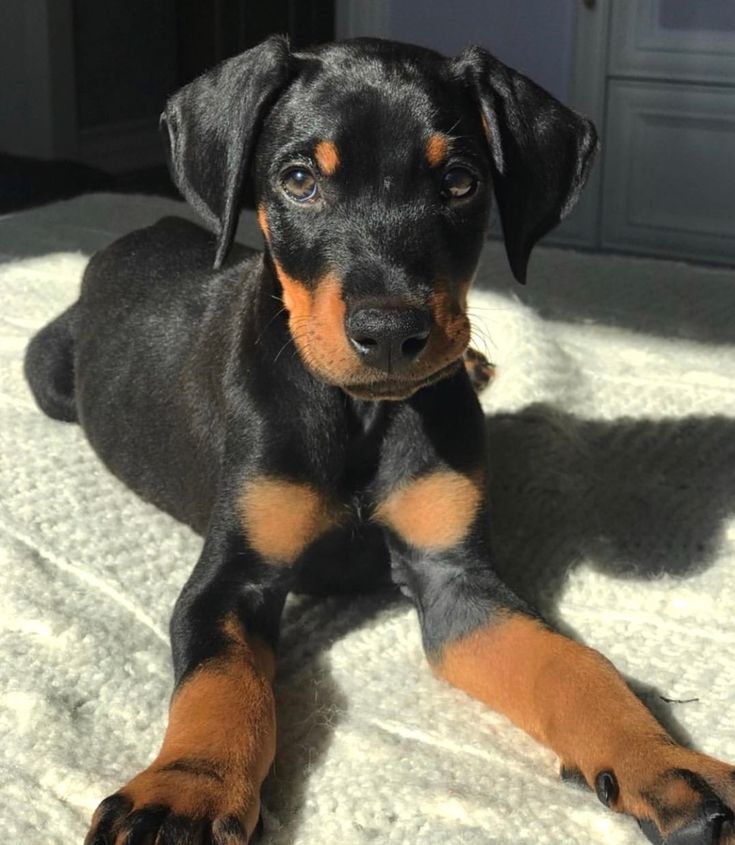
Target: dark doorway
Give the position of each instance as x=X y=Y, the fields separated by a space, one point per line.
x=211 y=31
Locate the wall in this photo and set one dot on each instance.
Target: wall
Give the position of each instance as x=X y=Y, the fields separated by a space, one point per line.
x=125 y=53
x=534 y=36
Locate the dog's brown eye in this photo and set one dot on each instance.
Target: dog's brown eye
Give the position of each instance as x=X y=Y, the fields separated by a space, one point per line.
x=299 y=183
x=458 y=182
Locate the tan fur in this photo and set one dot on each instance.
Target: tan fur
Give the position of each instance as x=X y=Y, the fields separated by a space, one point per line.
x=316 y=322
x=437 y=149
x=434 y=511
x=263 y=222
x=221 y=722
x=485 y=126
x=451 y=336
x=281 y=518
x=327 y=157
x=296 y=294
x=316 y=319
x=573 y=700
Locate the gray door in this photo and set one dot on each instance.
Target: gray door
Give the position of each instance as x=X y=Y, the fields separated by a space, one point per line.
x=669 y=163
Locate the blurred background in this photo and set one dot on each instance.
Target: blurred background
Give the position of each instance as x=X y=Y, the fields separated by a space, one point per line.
x=82 y=83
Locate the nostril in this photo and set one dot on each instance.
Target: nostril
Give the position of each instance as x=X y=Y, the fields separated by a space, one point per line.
x=411 y=347
x=364 y=344
x=367 y=342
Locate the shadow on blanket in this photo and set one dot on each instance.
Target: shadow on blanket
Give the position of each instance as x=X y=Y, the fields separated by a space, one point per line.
x=311 y=705
x=635 y=498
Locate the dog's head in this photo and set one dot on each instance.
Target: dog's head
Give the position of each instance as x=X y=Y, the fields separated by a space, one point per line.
x=373 y=165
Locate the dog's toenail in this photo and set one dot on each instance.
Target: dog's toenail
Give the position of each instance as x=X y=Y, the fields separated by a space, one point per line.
x=606 y=787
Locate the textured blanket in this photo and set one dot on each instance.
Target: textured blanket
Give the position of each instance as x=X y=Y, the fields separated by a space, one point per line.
x=612 y=430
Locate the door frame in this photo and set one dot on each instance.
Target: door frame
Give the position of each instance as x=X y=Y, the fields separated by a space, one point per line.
x=38 y=65
x=588 y=95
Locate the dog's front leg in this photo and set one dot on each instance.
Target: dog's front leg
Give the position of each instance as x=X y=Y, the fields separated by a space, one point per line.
x=483 y=639
x=480 y=638
x=204 y=785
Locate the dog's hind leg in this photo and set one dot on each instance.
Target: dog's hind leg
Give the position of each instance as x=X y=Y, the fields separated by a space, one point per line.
x=49 y=367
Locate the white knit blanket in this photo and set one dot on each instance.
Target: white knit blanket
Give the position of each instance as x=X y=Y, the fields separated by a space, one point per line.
x=613 y=445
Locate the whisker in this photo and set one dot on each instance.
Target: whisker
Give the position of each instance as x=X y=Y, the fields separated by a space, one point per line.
x=278 y=354
x=267 y=325
x=485 y=341
x=485 y=308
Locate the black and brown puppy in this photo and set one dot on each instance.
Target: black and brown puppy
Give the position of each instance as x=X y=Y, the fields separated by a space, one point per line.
x=306 y=410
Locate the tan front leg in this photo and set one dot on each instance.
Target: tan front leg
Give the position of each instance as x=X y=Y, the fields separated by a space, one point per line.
x=572 y=699
x=218 y=748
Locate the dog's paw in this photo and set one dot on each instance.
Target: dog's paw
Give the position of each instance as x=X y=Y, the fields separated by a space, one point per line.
x=677 y=796
x=185 y=805
x=691 y=803
x=479 y=369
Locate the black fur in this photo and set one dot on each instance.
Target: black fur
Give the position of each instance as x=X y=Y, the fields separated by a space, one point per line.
x=186 y=379
x=49 y=367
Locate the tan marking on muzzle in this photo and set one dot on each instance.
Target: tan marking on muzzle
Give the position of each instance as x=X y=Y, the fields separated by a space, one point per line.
x=451 y=334
x=316 y=320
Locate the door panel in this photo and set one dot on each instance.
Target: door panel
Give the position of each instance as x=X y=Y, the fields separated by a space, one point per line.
x=690 y=40
x=670 y=170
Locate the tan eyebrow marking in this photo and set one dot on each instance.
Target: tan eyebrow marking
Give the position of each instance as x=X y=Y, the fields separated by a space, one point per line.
x=327 y=157
x=437 y=149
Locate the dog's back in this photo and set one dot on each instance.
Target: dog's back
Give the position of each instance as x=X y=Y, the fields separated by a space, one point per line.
x=118 y=361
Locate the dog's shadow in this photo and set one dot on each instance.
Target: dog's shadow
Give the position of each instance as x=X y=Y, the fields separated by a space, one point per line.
x=635 y=498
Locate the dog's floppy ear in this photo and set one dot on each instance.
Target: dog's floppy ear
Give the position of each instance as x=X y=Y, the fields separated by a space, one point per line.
x=541 y=151
x=211 y=125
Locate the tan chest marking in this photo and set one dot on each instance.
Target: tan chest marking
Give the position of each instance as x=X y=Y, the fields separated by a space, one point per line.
x=281 y=518
x=433 y=512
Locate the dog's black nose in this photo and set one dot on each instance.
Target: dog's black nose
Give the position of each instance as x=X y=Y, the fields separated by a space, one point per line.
x=388 y=338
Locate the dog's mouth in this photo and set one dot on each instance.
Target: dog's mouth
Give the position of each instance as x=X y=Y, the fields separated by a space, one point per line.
x=396 y=388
